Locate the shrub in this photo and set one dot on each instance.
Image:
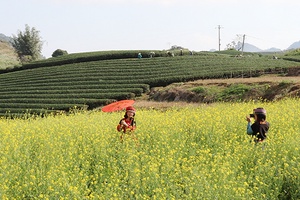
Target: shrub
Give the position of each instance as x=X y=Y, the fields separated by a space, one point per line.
x=199 y=90
x=59 y=52
x=234 y=91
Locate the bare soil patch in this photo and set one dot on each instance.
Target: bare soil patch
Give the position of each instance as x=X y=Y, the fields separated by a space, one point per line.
x=262 y=79
x=270 y=87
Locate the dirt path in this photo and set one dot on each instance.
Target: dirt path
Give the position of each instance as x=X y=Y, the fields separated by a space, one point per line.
x=264 y=79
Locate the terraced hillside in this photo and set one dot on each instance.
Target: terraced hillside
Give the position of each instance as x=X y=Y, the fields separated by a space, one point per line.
x=89 y=84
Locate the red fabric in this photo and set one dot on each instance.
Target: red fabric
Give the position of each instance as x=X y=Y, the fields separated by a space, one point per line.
x=119 y=105
x=130 y=108
x=126 y=129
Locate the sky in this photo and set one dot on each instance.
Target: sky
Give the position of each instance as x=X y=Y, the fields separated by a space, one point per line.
x=199 y=25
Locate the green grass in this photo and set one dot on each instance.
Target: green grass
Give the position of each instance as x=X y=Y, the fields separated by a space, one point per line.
x=113 y=77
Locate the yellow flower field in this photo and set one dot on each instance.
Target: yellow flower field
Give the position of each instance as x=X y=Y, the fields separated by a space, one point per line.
x=182 y=153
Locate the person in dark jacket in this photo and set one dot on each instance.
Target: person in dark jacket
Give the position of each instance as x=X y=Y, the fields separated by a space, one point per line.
x=260 y=127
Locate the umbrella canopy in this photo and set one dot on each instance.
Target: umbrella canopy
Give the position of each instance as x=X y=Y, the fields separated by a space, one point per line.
x=116 y=106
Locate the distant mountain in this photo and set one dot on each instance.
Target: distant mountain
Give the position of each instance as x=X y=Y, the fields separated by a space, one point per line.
x=273 y=49
x=5 y=38
x=295 y=45
x=250 y=48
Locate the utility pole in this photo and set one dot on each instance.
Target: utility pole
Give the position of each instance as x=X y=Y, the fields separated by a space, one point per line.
x=243 y=43
x=219 y=35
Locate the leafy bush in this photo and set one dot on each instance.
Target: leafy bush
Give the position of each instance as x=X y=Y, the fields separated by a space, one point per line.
x=234 y=92
x=199 y=90
x=59 y=52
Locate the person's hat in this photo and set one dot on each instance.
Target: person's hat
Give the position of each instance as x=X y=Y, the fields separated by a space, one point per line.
x=130 y=109
x=260 y=111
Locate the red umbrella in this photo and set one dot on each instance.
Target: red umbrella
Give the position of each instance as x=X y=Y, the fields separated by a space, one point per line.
x=119 y=105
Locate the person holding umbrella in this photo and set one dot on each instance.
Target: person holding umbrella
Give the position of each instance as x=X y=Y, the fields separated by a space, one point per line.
x=127 y=125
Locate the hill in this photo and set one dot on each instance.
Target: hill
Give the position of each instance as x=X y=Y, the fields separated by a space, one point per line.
x=5 y=38
x=251 y=48
x=295 y=45
x=8 y=57
x=90 y=80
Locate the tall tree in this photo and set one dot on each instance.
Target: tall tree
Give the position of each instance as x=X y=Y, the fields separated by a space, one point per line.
x=28 y=44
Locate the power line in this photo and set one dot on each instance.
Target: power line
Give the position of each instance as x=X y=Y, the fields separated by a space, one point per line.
x=263 y=40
